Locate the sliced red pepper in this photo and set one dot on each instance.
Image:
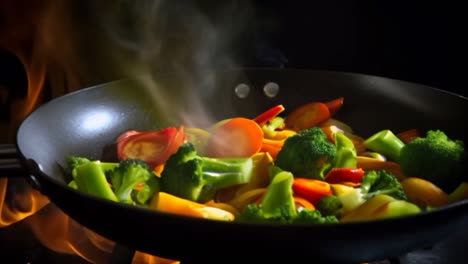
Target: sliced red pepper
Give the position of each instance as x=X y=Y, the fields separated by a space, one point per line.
x=268 y=115
x=307 y=116
x=341 y=175
x=311 y=189
x=153 y=147
x=335 y=105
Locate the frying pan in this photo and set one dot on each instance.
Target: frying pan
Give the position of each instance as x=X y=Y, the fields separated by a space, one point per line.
x=65 y=126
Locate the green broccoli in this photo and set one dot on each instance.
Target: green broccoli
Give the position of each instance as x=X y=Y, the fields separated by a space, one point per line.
x=133 y=181
x=346 y=155
x=116 y=181
x=197 y=178
x=386 y=143
x=308 y=216
x=435 y=158
x=330 y=205
x=89 y=176
x=75 y=161
x=309 y=153
x=278 y=205
x=381 y=182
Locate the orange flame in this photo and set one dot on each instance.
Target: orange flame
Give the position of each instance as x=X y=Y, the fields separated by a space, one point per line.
x=29 y=30
x=51 y=45
x=31 y=203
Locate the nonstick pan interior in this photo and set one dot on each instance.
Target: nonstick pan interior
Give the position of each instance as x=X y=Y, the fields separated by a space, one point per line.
x=87 y=123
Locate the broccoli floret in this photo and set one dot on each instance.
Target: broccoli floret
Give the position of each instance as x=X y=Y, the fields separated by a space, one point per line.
x=89 y=176
x=309 y=216
x=128 y=181
x=133 y=181
x=75 y=161
x=435 y=158
x=329 y=205
x=345 y=152
x=278 y=205
x=308 y=154
x=381 y=182
x=197 y=178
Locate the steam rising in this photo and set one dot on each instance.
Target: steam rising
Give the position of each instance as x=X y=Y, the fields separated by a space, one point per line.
x=175 y=47
x=185 y=39
x=70 y=44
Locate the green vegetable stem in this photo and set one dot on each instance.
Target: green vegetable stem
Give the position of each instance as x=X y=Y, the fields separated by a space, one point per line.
x=386 y=143
x=191 y=176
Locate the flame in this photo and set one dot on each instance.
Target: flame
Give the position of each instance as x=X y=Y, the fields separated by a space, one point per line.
x=31 y=201
x=62 y=50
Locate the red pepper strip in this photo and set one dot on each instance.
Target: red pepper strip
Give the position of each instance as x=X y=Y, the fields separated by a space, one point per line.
x=268 y=115
x=335 y=105
x=307 y=116
x=153 y=147
x=311 y=189
x=341 y=175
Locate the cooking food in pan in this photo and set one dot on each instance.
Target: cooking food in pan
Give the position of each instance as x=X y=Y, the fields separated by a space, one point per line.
x=89 y=122
x=301 y=167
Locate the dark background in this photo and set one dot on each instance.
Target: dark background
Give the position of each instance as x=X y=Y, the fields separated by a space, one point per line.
x=418 y=41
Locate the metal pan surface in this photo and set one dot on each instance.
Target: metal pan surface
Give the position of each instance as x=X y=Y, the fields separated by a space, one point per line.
x=87 y=123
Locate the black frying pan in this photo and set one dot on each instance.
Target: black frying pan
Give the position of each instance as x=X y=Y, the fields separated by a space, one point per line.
x=64 y=126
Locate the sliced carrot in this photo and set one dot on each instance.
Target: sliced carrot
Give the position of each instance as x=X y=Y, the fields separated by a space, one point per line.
x=158 y=169
x=303 y=203
x=223 y=206
x=169 y=203
x=307 y=116
x=311 y=189
x=335 y=105
x=236 y=137
x=408 y=135
x=269 y=114
x=272 y=146
x=367 y=163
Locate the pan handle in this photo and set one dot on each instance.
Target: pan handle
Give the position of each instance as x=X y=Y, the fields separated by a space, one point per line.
x=10 y=163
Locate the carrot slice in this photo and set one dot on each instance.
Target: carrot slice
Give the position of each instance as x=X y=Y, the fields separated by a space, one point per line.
x=311 y=189
x=236 y=137
x=273 y=147
x=335 y=105
x=408 y=135
x=169 y=203
x=307 y=116
x=301 y=202
x=268 y=114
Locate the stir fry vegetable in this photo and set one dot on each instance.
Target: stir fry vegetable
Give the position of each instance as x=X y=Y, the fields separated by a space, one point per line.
x=302 y=167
